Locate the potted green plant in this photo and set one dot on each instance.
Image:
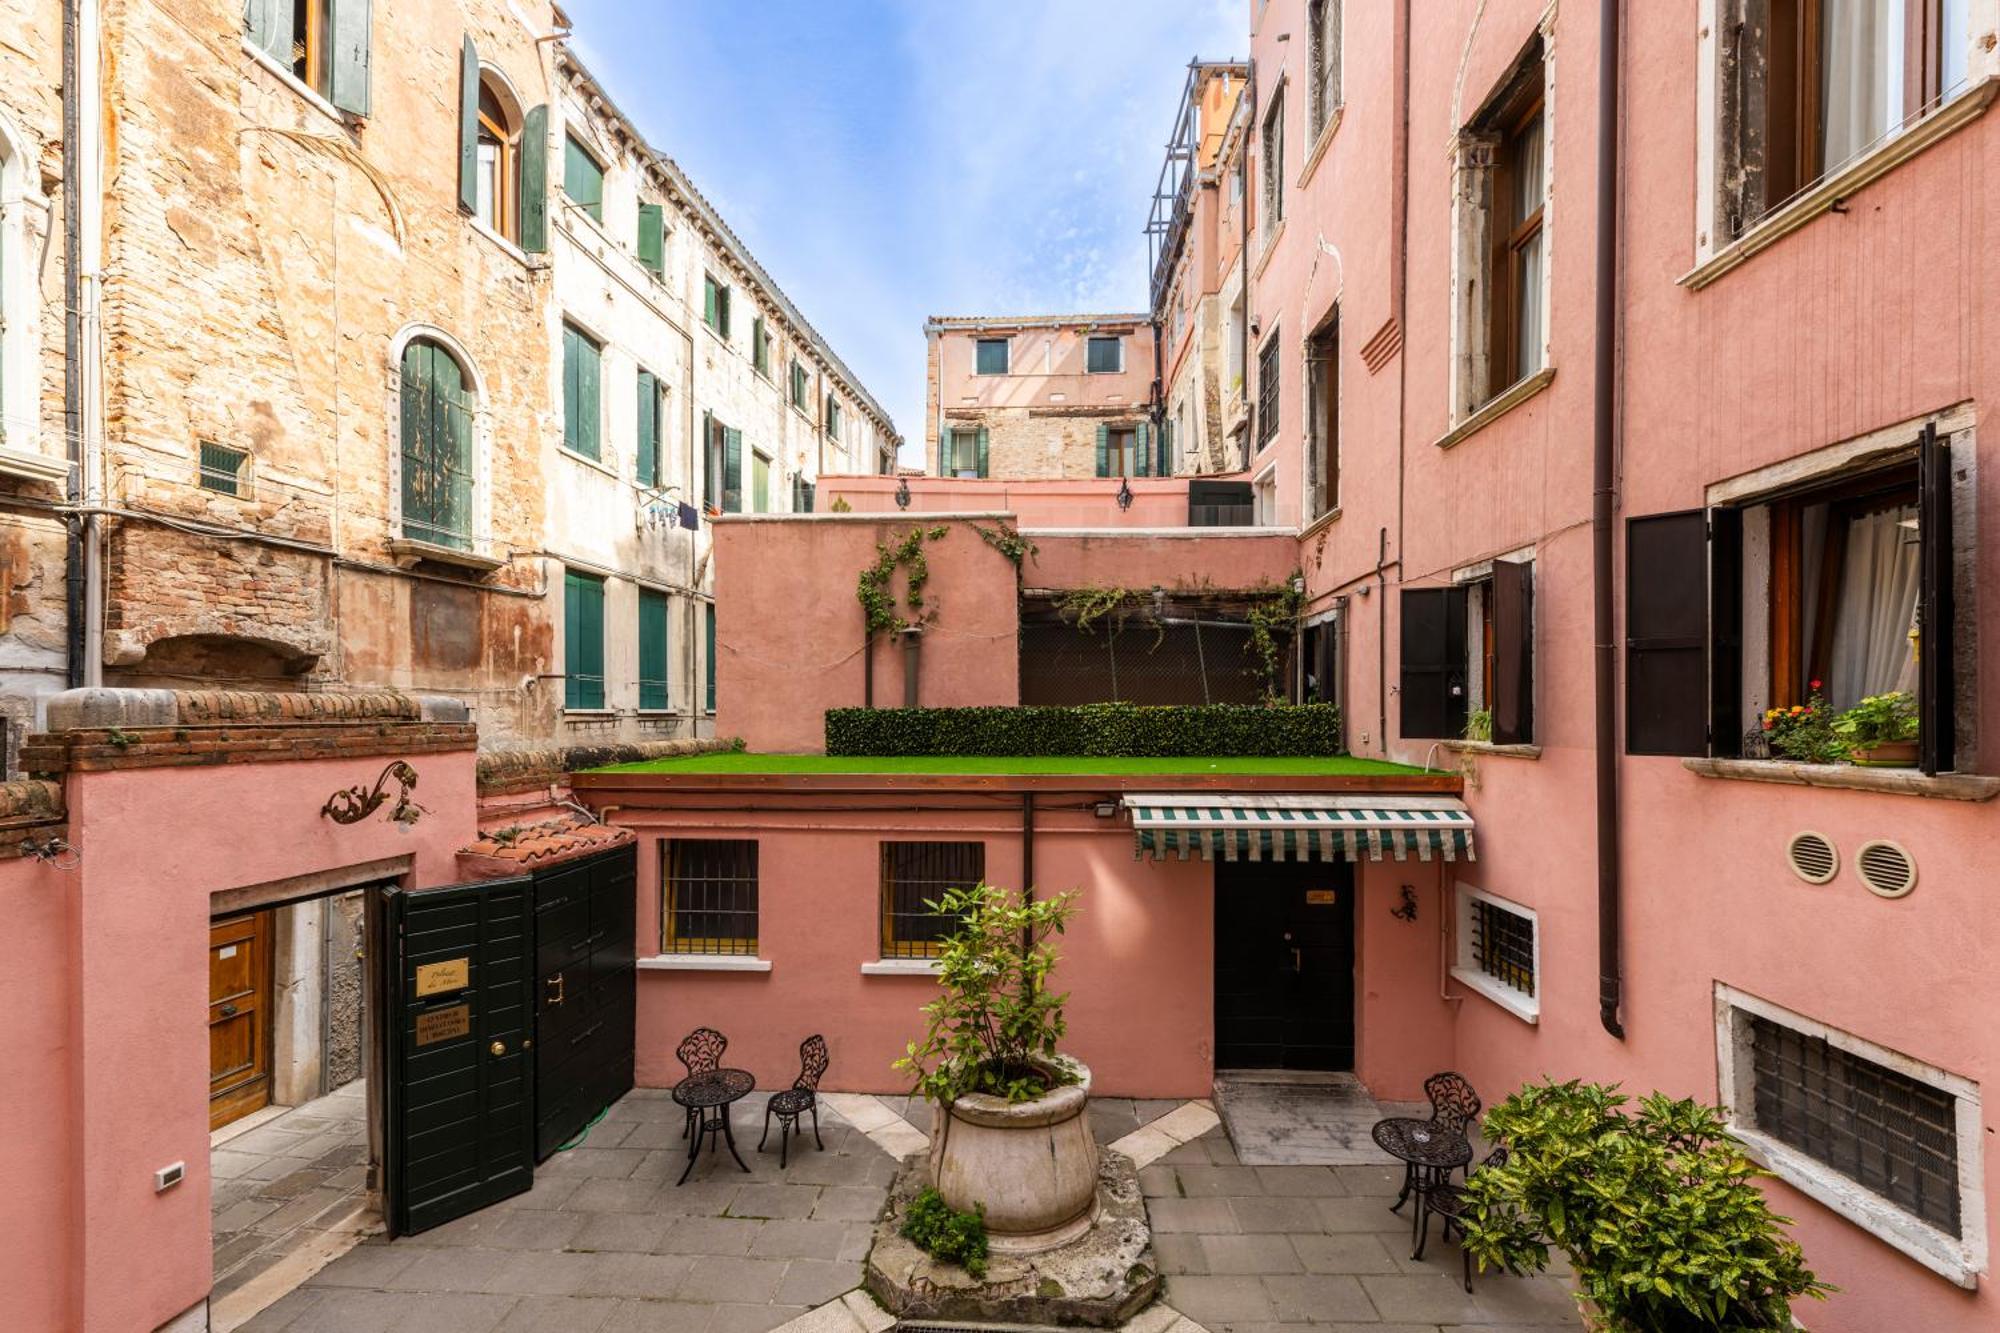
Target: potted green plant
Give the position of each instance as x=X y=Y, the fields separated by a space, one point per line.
x=1805 y=731
x=1010 y=1139
x=1881 y=730
x=1658 y=1211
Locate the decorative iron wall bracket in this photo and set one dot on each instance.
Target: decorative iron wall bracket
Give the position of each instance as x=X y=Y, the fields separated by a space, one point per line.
x=355 y=804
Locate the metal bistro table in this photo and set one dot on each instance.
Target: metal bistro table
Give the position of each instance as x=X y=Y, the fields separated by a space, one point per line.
x=1429 y=1155
x=708 y=1098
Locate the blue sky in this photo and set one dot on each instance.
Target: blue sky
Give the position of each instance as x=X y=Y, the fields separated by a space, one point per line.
x=893 y=160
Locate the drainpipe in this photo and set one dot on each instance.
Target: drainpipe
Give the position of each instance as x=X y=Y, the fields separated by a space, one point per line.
x=1382 y=640
x=1243 y=263
x=72 y=192
x=1610 y=984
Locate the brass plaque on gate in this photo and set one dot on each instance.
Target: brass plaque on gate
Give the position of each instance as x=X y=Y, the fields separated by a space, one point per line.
x=451 y=974
x=1322 y=897
x=444 y=1024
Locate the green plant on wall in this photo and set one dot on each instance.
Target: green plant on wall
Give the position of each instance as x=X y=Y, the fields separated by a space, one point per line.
x=1659 y=1211
x=1084 y=607
x=1479 y=725
x=876 y=590
x=1274 y=619
x=1008 y=541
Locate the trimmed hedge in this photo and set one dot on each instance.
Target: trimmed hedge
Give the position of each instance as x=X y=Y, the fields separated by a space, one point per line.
x=1121 y=731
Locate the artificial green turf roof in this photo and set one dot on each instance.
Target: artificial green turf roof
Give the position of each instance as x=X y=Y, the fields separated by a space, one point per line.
x=1050 y=765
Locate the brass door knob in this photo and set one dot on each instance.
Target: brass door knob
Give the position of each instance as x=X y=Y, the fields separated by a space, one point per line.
x=498 y=1048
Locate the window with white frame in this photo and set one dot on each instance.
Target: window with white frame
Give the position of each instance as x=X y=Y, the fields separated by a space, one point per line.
x=1888 y=1141
x=1499 y=952
x=1501 y=207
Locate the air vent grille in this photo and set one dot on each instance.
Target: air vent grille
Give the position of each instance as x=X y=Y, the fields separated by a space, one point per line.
x=1813 y=857
x=1886 y=868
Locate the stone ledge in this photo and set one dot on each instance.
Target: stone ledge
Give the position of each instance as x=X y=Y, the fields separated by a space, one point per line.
x=118 y=709
x=1488 y=747
x=1897 y=781
x=1100 y=1280
x=512 y=770
x=107 y=749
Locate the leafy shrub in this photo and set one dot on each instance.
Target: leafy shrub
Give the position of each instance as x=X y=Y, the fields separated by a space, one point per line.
x=1099 y=730
x=942 y=1232
x=1658 y=1211
x=994 y=1026
x=1805 y=731
x=1877 y=720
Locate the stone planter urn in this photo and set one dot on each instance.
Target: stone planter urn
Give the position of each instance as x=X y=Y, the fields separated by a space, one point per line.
x=1031 y=1165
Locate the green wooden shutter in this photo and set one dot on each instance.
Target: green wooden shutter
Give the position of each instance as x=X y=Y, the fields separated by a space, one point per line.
x=946 y=467
x=647 y=446
x=349 y=31
x=710 y=464
x=468 y=127
x=982 y=451
x=709 y=609
x=653 y=655
x=535 y=180
x=269 y=26
x=710 y=305
x=590 y=410
x=583 y=640
x=572 y=371
x=653 y=237
x=583 y=179
x=722 y=309
x=1103 y=450
x=1142 y=461
x=732 y=470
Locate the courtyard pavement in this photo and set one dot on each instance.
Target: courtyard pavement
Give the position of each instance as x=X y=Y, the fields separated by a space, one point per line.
x=605 y=1242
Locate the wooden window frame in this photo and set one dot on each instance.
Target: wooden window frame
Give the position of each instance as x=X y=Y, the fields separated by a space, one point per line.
x=893 y=944
x=673 y=882
x=1519 y=111
x=595 y=210
x=507 y=175
x=312 y=62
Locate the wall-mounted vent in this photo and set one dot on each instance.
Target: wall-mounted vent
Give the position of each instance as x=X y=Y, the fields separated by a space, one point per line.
x=1813 y=857
x=1886 y=868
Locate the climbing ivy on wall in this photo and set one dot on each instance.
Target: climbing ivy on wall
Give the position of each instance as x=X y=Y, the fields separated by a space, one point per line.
x=876 y=590
x=1008 y=541
x=1274 y=611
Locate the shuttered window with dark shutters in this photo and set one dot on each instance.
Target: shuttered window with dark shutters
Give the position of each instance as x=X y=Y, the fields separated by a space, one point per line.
x=1666 y=634
x=1510 y=612
x=1433 y=663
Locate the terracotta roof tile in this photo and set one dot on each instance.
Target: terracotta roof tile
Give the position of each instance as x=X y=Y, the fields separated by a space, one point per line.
x=528 y=847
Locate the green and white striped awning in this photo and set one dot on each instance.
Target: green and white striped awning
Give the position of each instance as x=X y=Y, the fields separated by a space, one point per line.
x=1300 y=828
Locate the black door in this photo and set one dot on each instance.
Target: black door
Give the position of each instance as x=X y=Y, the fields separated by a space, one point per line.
x=585 y=999
x=461 y=1067
x=1284 y=965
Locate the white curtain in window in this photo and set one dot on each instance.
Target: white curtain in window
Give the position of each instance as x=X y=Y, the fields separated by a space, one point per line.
x=1531 y=185
x=1954 y=20
x=1872 y=649
x=1862 y=62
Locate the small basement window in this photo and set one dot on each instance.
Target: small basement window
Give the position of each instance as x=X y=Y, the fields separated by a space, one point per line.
x=1499 y=953
x=1887 y=1141
x=915 y=875
x=708 y=900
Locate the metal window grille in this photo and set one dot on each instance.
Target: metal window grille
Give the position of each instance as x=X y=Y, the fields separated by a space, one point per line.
x=915 y=875
x=710 y=904
x=224 y=470
x=1892 y=1134
x=1267 y=390
x=1503 y=945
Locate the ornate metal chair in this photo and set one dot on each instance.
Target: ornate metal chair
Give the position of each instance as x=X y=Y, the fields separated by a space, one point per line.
x=1425 y=1146
x=1449 y=1202
x=802 y=1098
x=701 y=1052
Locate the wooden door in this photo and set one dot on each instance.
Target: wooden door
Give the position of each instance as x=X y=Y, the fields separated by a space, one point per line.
x=585 y=924
x=1284 y=965
x=239 y=1016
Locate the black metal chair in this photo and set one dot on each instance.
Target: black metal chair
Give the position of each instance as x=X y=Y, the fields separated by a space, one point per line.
x=1450 y=1202
x=802 y=1098
x=1454 y=1106
x=701 y=1052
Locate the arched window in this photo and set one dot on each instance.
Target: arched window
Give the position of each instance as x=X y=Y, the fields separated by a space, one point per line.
x=499 y=164
x=437 y=439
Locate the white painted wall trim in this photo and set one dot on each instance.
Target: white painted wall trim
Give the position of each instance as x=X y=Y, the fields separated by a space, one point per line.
x=703 y=962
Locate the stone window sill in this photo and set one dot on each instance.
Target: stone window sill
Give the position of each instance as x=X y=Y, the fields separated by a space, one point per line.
x=1895 y=781
x=408 y=551
x=509 y=248
x=1515 y=1003
x=1488 y=747
x=594 y=464
x=900 y=967
x=589 y=714
x=1891 y=153
x=305 y=90
x=32 y=466
x=1320 y=146
x=703 y=962
x=1325 y=520
x=1267 y=248
x=1520 y=391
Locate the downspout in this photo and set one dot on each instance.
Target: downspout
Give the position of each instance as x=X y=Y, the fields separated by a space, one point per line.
x=1610 y=984
x=72 y=169
x=1243 y=262
x=90 y=329
x=1382 y=640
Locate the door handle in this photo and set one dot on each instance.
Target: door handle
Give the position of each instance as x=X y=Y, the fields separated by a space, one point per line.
x=1297 y=965
x=498 y=1048
x=228 y=1011
x=552 y=989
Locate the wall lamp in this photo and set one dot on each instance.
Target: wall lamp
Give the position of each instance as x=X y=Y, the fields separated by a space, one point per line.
x=1124 y=494
x=902 y=492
